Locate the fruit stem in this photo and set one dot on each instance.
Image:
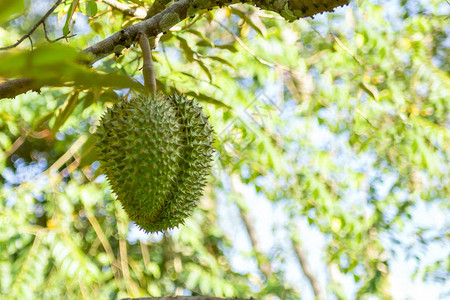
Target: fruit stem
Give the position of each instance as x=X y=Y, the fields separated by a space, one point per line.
x=147 y=70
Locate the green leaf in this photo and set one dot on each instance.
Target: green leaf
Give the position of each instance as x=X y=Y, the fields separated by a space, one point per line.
x=209 y=16
x=244 y=17
x=196 y=78
x=14 y=63
x=109 y=95
x=88 y=153
x=66 y=24
x=204 y=43
x=370 y=89
x=221 y=60
x=91 y=97
x=207 y=99
x=92 y=79
x=40 y=121
x=166 y=37
x=201 y=36
x=10 y=9
x=91 y=8
x=229 y=47
x=186 y=49
x=58 y=64
x=205 y=68
x=72 y=9
x=65 y=111
x=97 y=27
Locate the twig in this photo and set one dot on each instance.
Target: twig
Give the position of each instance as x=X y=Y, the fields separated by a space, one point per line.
x=148 y=70
x=55 y=40
x=337 y=40
x=365 y=117
x=68 y=155
x=31 y=42
x=138 y=13
x=130 y=285
x=116 y=269
x=145 y=255
x=15 y=146
x=249 y=224
x=252 y=53
x=99 y=14
x=28 y=263
x=41 y=20
x=192 y=23
x=307 y=269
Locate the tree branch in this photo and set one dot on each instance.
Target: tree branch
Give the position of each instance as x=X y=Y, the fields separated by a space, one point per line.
x=157 y=7
x=57 y=39
x=163 y=21
x=148 y=70
x=307 y=270
x=41 y=21
x=263 y=262
x=12 y=88
x=124 y=38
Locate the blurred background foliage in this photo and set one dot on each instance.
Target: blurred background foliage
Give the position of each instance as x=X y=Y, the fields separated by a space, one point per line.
x=337 y=125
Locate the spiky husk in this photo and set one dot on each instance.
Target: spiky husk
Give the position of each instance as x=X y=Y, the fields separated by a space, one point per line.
x=156 y=154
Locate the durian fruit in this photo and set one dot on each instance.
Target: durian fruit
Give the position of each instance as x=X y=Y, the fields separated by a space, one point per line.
x=156 y=153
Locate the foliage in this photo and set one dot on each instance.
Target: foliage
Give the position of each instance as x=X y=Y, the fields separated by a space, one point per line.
x=342 y=121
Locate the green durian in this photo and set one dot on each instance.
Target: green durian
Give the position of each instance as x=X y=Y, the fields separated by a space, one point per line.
x=156 y=154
